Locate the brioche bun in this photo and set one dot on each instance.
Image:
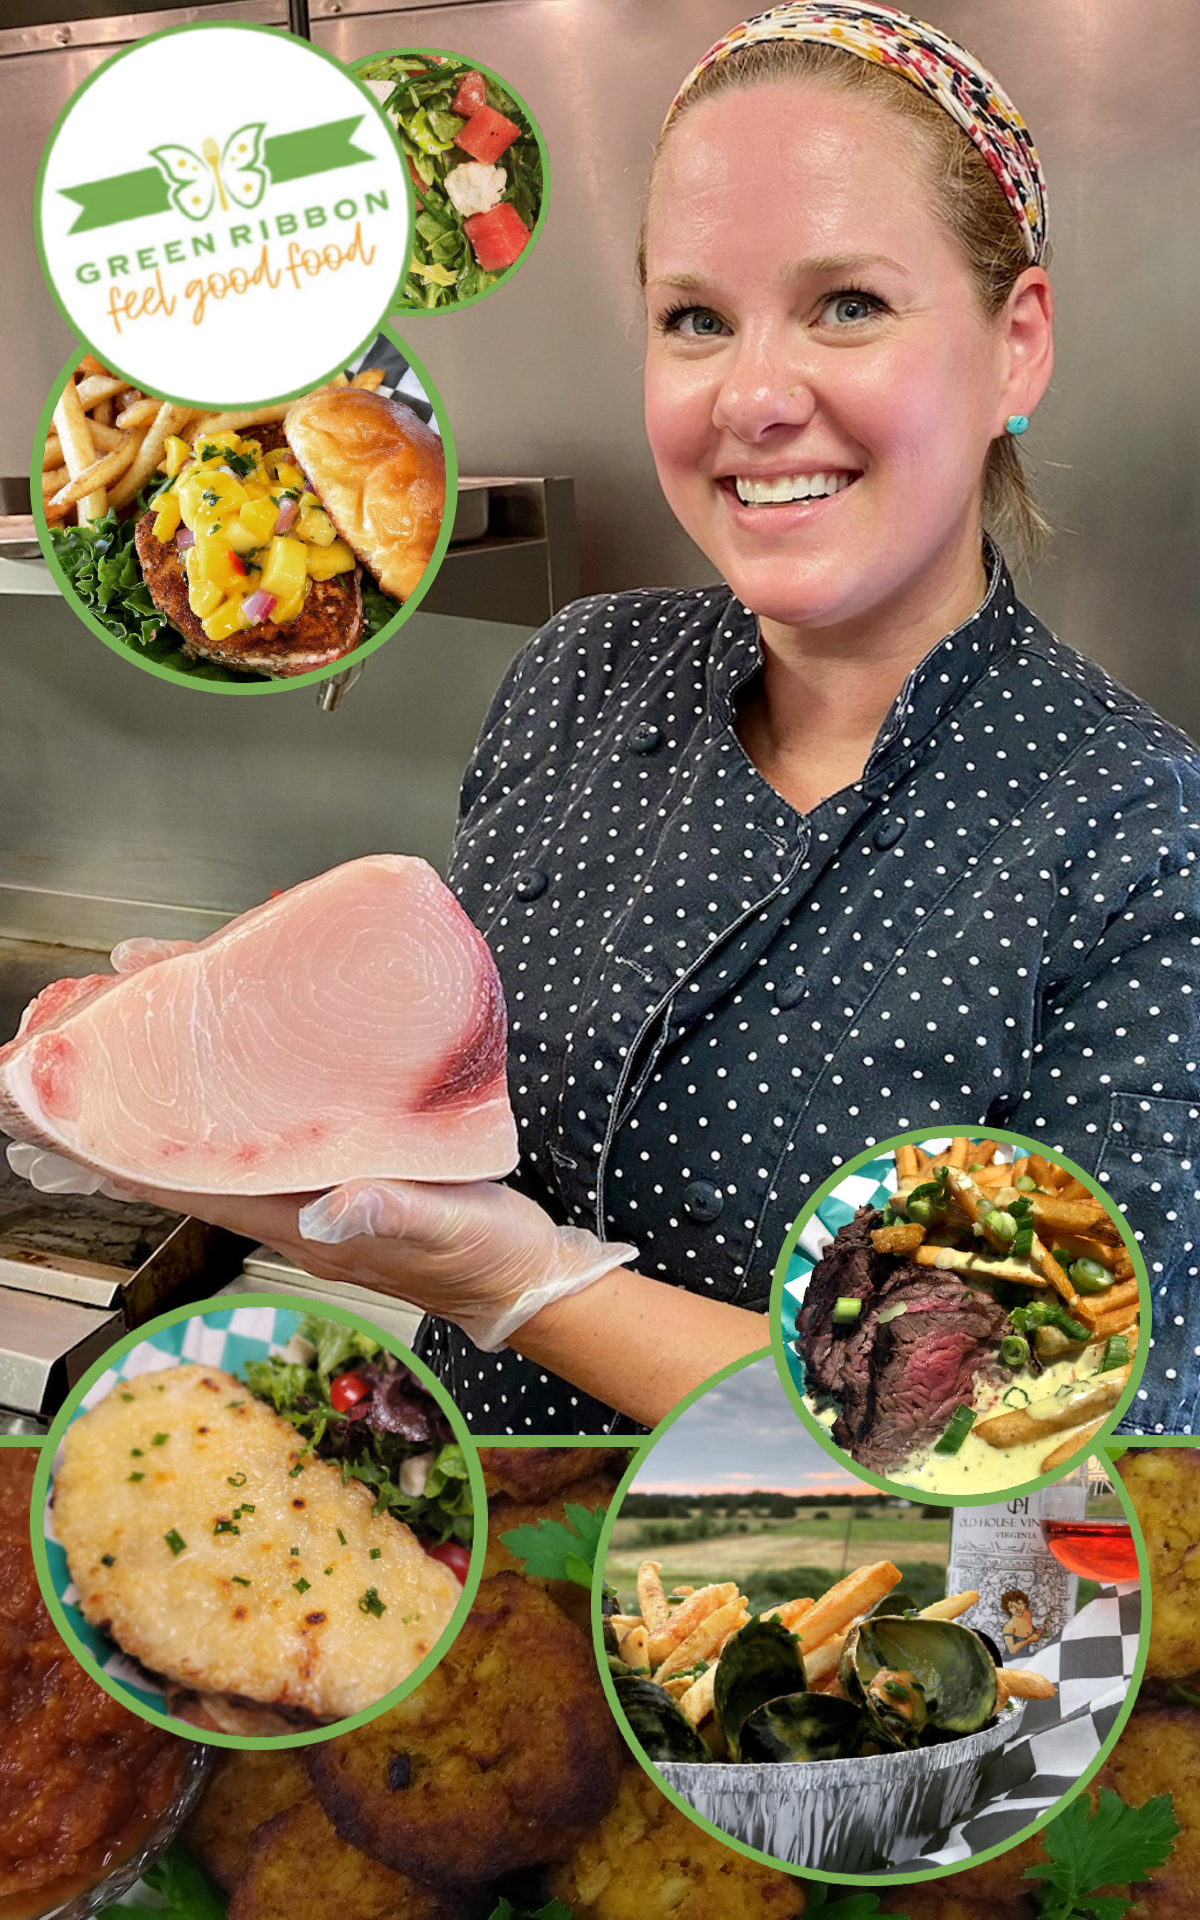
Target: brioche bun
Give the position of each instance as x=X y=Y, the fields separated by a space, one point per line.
x=380 y=474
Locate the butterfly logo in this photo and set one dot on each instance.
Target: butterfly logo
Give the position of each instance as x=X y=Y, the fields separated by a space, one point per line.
x=231 y=173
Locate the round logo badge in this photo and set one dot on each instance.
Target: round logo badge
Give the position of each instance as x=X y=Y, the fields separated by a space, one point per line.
x=223 y=212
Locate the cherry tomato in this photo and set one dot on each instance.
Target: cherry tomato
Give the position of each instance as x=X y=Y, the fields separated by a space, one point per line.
x=347 y=1390
x=451 y=1555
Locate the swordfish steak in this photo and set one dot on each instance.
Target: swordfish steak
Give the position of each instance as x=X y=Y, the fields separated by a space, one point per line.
x=353 y=1027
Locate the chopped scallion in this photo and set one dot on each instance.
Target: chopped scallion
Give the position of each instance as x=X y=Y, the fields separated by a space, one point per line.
x=376 y=1553
x=302 y=1585
x=1014 y=1350
x=961 y=1422
x=175 y=1540
x=107 y=1560
x=239 y=1582
x=371 y=1603
x=235 y=1480
x=846 y=1311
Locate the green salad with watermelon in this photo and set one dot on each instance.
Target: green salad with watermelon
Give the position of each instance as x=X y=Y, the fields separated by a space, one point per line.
x=476 y=169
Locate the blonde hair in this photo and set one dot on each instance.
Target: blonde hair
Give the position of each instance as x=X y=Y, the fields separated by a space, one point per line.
x=968 y=199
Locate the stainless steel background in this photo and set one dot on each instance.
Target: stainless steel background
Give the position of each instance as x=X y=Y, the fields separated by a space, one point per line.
x=115 y=783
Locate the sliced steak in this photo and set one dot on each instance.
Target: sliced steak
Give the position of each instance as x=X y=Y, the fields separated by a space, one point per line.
x=328 y=626
x=914 y=1353
x=925 y=1363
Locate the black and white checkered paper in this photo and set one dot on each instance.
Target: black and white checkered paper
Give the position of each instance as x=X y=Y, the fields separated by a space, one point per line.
x=1092 y=1666
x=399 y=379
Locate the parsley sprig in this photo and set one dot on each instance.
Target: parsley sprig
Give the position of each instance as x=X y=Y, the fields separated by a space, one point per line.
x=1117 y=1845
x=552 y=1551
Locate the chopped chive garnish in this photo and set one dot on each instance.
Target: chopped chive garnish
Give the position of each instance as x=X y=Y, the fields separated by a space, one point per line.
x=329 y=1569
x=175 y=1540
x=107 y=1560
x=235 y=1480
x=341 y=1536
x=160 y=1440
x=127 y=1396
x=239 y=1582
x=136 y=1453
x=371 y=1603
x=137 y=1476
x=226 y=1526
x=376 y=1553
x=246 y=1507
x=298 y=1468
x=235 y=1403
x=302 y=1585
x=294 y=1551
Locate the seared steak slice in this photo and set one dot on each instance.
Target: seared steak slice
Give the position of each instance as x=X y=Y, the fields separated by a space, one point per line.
x=925 y=1363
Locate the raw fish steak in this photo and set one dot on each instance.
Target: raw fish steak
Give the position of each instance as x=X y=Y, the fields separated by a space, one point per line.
x=352 y=1027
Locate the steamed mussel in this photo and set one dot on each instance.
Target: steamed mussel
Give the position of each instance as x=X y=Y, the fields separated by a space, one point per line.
x=657 y=1722
x=916 y=1678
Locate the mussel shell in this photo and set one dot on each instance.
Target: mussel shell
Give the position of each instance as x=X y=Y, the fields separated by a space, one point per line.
x=760 y=1663
x=894 y=1603
x=802 y=1726
x=951 y=1664
x=657 y=1721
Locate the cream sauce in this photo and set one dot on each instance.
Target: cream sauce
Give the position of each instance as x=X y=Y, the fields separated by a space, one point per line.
x=978 y=1467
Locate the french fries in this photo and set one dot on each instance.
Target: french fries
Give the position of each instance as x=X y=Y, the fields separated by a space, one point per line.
x=718 y=1611
x=109 y=439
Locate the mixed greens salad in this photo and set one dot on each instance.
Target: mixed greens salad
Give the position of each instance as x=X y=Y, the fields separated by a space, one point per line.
x=473 y=217
x=358 y=1405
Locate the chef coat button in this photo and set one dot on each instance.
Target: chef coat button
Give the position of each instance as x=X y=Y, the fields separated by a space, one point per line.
x=645 y=737
x=889 y=831
x=790 y=992
x=702 y=1201
x=530 y=883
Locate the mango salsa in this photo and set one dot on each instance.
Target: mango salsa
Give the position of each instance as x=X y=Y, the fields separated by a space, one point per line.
x=229 y=495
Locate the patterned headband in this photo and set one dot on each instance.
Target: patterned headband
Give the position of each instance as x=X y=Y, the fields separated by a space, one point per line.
x=930 y=60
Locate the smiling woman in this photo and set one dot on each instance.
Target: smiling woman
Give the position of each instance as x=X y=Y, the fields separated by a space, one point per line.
x=841 y=846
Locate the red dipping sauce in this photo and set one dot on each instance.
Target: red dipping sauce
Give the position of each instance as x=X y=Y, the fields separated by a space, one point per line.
x=81 y=1778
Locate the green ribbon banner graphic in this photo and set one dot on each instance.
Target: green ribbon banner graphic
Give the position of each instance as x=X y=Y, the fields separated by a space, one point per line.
x=285 y=156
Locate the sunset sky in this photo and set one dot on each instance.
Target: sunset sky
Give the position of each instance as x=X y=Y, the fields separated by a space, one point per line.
x=743 y=1434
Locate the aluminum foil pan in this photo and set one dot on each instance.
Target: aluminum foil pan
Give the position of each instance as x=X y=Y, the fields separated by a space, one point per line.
x=121 y=1877
x=844 y=1816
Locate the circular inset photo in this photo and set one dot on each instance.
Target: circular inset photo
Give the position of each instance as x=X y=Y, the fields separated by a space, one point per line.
x=252 y=548
x=960 y=1314
x=203 y=248
x=259 y=1522
x=852 y=1683
x=89 y=1794
x=479 y=171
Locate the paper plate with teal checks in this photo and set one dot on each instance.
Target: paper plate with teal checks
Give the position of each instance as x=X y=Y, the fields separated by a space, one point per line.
x=228 y=1339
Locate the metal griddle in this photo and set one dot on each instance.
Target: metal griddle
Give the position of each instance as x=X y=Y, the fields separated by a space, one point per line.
x=76 y=1273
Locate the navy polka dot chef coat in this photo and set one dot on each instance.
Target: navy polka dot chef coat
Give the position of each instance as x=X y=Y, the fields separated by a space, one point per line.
x=713 y=999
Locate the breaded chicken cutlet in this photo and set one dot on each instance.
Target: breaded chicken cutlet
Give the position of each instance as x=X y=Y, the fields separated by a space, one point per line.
x=533 y=1474
x=499 y=1760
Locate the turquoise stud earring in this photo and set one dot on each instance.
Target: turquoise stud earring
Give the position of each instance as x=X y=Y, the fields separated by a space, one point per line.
x=1016 y=423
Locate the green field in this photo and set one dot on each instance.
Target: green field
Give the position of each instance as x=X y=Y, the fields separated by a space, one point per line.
x=759 y=1553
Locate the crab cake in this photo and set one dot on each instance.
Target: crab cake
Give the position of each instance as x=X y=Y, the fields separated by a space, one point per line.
x=244 y=1789
x=531 y=1474
x=1159 y=1752
x=504 y=1514
x=297 y=1869
x=497 y=1761
x=994 y=1890
x=1164 y=1485
x=647 y=1858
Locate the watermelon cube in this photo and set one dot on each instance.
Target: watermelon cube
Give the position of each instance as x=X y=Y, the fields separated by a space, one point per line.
x=471 y=95
x=487 y=134
x=497 y=237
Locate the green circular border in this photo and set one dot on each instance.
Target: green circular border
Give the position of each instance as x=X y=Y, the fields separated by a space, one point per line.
x=318 y=674
x=926 y=1496
x=223 y=1304
x=460 y=306
x=768 y=1859
x=203 y=26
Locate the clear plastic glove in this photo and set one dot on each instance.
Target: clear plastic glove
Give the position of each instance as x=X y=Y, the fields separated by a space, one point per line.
x=54 y=1173
x=481 y=1254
